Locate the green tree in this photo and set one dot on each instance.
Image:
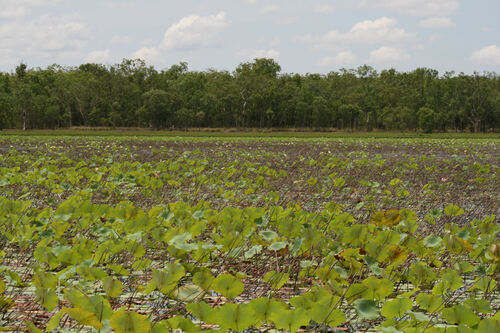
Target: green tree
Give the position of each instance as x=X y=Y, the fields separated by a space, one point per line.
x=22 y=93
x=157 y=108
x=426 y=119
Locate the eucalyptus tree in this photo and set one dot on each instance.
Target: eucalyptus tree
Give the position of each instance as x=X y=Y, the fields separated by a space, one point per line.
x=22 y=92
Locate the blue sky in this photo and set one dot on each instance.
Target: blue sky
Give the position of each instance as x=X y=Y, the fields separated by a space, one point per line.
x=315 y=36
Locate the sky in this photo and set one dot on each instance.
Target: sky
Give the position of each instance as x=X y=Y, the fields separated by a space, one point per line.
x=315 y=36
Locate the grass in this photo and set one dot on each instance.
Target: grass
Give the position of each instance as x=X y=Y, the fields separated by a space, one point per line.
x=247 y=133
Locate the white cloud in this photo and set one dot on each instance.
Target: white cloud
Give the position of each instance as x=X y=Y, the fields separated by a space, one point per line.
x=386 y=54
x=437 y=23
x=341 y=58
x=435 y=37
x=149 y=54
x=251 y=54
x=269 y=9
x=121 y=39
x=13 y=12
x=118 y=4
x=380 y=31
x=324 y=8
x=48 y=36
x=98 y=56
x=15 y=9
x=488 y=55
x=195 y=31
x=7 y=60
x=415 y=7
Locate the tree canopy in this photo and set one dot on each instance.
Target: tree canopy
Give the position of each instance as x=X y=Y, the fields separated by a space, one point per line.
x=255 y=94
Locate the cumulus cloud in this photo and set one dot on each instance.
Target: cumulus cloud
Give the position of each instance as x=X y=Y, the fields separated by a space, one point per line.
x=48 y=36
x=250 y=54
x=488 y=55
x=435 y=37
x=195 y=31
x=15 y=9
x=7 y=60
x=414 y=7
x=98 y=56
x=386 y=54
x=437 y=23
x=118 y=4
x=149 y=54
x=341 y=58
x=379 y=31
x=190 y=33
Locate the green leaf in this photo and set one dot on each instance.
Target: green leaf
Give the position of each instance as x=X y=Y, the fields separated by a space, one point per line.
x=166 y=280
x=54 y=321
x=263 y=307
x=200 y=310
x=275 y=279
x=377 y=289
x=339 y=182
x=203 y=279
x=396 y=308
x=112 y=287
x=453 y=210
x=463 y=267
x=45 y=280
x=478 y=305
x=47 y=298
x=254 y=250
x=32 y=328
x=428 y=302
x=485 y=284
x=228 y=285
x=233 y=316
x=366 y=309
x=432 y=241
x=180 y=323
x=129 y=322
x=188 y=293
x=276 y=246
x=295 y=246
x=452 y=279
x=419 y=316
x=325 y=314
x=290 y=320
x=96 y=304
x=355 y=291
x=460 y=314
x=160 y=327
x=119 y=269
x=83 y=317
x=268 y=235
x=489 y=325
x=421 y=273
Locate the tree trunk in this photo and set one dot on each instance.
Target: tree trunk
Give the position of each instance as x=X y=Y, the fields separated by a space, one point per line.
x=475 y=123
x=24 y=119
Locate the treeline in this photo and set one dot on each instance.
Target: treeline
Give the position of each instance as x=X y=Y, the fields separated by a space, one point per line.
x=256 y=94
